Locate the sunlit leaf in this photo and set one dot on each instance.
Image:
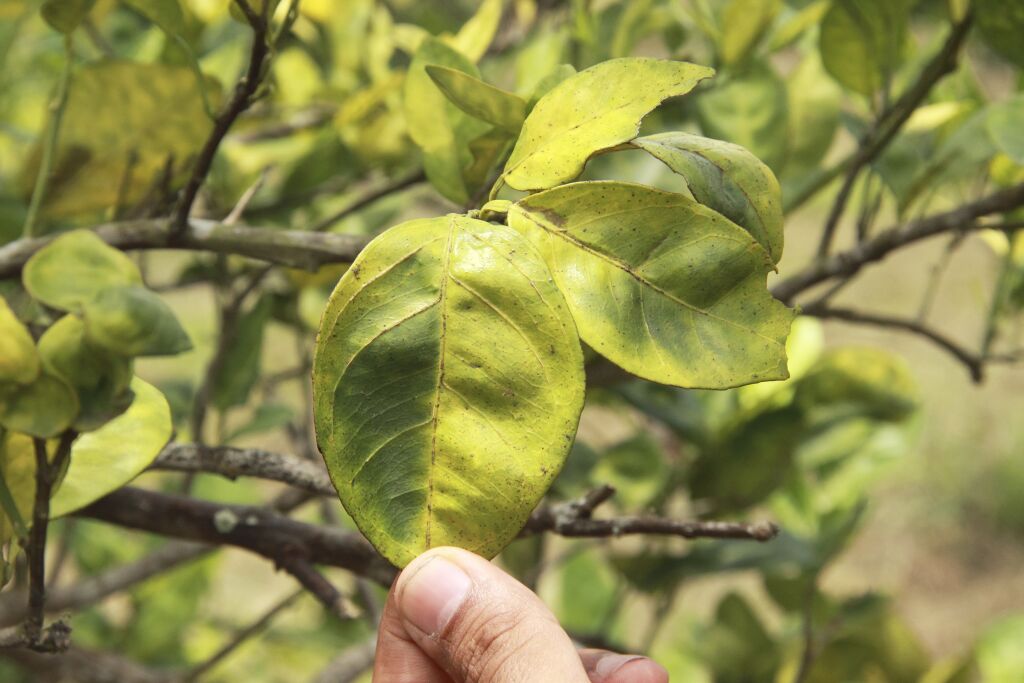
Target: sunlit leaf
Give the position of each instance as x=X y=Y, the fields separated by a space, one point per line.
x=19 y=362
x=447 y=386
x=749 y=109
x=479 y=99
x=746 y=22
x=133 y=321
x=660 y=285
x=476 y=35
x=726 y=178
x=99 y=377
x=596 y=109
x=108 y=458
x=862 y=42
x=18 y=468
x=74 y=268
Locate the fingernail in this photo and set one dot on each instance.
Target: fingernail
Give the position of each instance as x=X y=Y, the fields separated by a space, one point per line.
x=433 y=594
x=611 y=663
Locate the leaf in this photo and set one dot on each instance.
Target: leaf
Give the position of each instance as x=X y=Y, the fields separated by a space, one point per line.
x=108 y=458
x=43 y=409
x=18 y=469
x=727 y=178
x=546 y=84
x=591 y=111
x=748 y=109
x=236 y=377
x=747 y=21
x=861 y=380
x=737 y=646
x=440 y=129
x=797 y=23
x=66 y=15
x=123 y=123
x=999 y=654
x=447 y=386
x=813 y=103
x=476 y=35
x=1005 y=125
x=166 y=14
x=98 y=377
x=19 y=362
x=133 y=321
x=479 y=99
x=636 y=468
x=659 y=284
x=861 y=42
x=74 y=268
x=1001 y=24
x=588 y=593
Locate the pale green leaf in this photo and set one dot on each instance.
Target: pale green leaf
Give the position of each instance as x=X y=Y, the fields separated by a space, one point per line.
x=74 y=268
x=862 y=380
x=476 y=35
x=66 y=15
x=19 y=362
x=99 y=377
x=749 y=109
x=745 y=22
x=123 y=123
x=441 y=129
x=662 y=286
x=813 y=101
x=726 y=178
x=862 y=41
x=108 y=458
x=44 y=408
x=1005 y=124
x=133 y=321
x=540 y=55
x=447 y=386
x=594 y=110
x=479 y=99
x=797 y=23
x=18 y=469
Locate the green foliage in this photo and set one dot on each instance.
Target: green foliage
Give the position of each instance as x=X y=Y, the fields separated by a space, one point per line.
x=19 y=362
x=862 y=42
x=75 y=268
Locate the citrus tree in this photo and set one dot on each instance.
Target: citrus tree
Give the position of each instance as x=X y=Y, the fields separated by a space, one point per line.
x=507 y=276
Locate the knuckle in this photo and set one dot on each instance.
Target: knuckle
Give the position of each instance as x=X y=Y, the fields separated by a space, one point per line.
x=485 y=646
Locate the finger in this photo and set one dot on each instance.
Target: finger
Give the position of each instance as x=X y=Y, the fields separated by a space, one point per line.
x=479 y=624
x=610 y=667
x=399 y=659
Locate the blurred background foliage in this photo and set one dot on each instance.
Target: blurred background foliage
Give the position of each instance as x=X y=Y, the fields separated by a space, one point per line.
x=897 y=482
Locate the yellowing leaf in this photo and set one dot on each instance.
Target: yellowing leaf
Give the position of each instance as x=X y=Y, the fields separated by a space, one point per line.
x=19 y=362
x=99 y=377
x=108 y=458
x=18 y=469
x=440 y=128
x=479 y=99
x=122 y=124
x=745 y=22
x=658 y=284
x=133 y=321
x=44 y=408
x=861 y=42
x=74 y=268
x=476 y=35
x=726 y=178
x=447 y=386
x=591 y=111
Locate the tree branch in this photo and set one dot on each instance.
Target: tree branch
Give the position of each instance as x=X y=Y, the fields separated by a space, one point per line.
x=245 y=89
x=849 y=262
x=890 y=122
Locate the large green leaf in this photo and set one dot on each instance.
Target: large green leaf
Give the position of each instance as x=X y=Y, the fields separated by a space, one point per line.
x=19 y=362
x=441 y=129
x=749 y=109
x=479 y=99
x=44 y=408
x=447 y=386
x=591 y=111
x=659 y=284
x=74 y=268
x=99 y=377
x=124 y=122
x=861 y=42
x=726 y=178
x=133 y=321
x=108 y=458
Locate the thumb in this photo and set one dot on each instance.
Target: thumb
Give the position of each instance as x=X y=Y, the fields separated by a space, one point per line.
x=479 y=624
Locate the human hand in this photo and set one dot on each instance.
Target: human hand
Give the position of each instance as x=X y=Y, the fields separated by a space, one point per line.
x=453 y=617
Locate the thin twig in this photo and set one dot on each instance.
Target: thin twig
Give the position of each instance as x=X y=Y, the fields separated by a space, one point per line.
x=369 y=198
x=240 y=100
